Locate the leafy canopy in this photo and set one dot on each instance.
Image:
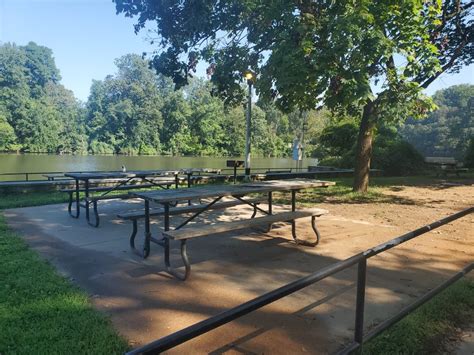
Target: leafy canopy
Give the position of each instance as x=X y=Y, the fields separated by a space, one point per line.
x=309 y=53
x=446 y=131
x=37 y=114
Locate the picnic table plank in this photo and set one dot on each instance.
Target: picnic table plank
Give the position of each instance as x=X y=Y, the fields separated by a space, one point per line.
x=203 y=230
x=229 y=190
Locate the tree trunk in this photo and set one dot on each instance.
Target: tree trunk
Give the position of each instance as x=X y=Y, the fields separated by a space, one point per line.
x=364 y=149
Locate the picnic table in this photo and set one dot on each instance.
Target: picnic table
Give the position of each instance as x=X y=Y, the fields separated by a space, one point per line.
x=446 y=165
x=167 y=198
x=121 y=181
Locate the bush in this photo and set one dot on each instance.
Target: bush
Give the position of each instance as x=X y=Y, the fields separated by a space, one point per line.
x=148 y=150
x=391 y=154
x=101 y=148
x=469 y=156
x=397 y=158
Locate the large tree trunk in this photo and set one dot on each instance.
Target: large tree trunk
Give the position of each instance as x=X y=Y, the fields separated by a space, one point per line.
x=364 y=149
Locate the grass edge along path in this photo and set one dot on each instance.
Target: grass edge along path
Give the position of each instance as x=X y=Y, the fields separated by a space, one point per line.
x=429 y=328
x=41 y=312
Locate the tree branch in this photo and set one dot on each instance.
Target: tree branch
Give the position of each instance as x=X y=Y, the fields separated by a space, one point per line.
x=457 y=53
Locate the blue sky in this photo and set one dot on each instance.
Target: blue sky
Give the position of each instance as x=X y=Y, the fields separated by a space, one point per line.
x=86 y=36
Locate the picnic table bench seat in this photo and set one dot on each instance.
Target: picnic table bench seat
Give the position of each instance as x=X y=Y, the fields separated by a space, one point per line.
x=124 y=187
x=203 y=230
x=443 y=171
x=135 y=216
x=200 y=230
x=446 y=165
x=56 y=176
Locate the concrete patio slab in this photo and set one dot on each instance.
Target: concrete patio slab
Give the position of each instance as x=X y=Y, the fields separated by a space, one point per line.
x=145 y=303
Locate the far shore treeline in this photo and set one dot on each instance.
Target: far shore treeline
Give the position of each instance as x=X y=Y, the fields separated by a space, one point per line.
x=135 y=111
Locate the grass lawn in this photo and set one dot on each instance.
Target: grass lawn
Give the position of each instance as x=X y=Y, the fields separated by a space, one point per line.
x=42 y=312
x=425 y=330
x=31 y=199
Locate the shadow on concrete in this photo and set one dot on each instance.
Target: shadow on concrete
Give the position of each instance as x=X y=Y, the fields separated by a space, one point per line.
x=229 y=269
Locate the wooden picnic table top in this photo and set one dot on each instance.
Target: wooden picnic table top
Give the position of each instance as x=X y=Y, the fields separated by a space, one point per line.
x=164 y=196
x=135 y=173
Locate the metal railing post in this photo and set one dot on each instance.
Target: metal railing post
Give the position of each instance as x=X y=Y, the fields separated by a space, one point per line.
x=360 y=302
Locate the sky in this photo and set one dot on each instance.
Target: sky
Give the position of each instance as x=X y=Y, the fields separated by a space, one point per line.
x=86 y=36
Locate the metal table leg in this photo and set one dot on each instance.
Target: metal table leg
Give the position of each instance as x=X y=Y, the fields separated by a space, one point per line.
x=293 y=209
x=146 y=244
x=176 y=181
x=166 y=245
x=189 y=185
x=293 y=225
x=270 y=209
x=78 y=202
x=86 y=202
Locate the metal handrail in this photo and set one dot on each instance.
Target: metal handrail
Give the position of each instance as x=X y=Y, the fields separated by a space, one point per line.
x=216 y=321
x=27 y=174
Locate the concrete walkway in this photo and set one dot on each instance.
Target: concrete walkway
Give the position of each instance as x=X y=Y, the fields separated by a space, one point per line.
x=145 y=303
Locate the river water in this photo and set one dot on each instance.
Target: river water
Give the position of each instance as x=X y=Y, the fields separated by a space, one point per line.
x=17 y=163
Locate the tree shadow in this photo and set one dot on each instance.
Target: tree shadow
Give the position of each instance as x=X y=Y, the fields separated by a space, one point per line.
x=231 y=269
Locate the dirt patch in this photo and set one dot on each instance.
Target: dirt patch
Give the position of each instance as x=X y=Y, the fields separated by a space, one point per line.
x=423 y=205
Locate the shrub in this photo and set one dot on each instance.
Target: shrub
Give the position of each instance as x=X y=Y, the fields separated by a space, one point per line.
x=148 y=150
x=97 y=147
x=469 y=156
x=397 y=158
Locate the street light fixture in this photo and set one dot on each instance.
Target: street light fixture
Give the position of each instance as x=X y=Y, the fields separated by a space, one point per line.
x=250 y=77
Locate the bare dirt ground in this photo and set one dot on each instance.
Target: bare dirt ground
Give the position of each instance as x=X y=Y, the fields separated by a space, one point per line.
x=415 y=206
x=145 y=303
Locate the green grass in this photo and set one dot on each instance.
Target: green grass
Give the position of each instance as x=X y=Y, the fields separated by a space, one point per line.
x=40 y=311
x=31 y=199
x=426 y=330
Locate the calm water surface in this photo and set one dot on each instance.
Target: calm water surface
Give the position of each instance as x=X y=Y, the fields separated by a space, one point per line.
x=13 y=163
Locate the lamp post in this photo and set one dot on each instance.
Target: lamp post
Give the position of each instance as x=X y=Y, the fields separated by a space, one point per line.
x=250 y=77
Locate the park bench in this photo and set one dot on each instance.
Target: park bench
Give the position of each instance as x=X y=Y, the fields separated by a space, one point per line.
x=446 y=165
x=203 y=230
x=94 y=199
x=135 y=216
